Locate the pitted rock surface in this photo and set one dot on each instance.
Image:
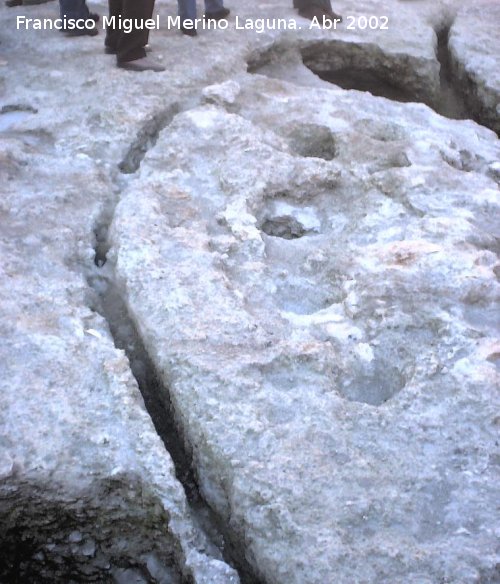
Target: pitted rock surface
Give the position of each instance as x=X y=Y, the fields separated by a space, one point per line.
x=326 y=326
x=314 y=274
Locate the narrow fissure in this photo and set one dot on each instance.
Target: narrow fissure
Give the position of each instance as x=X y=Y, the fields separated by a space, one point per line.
x=451 y=103
x=126 y=337
x=113 y=309
x=147 y=138
x=459 y=94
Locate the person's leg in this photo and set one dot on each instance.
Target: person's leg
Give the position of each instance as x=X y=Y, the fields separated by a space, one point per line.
x=187 y=9
x=325 y=4
x=73 y=9
x=130 y=46
x=303 y=4
x=113 y=34
x=77 y=10
x=151 y=7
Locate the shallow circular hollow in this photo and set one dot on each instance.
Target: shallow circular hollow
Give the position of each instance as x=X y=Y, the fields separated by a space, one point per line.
x=373 y=383
x=288 y=220
x=11 y=115
x=303 y=297
x=313 y=141
x=284 y=227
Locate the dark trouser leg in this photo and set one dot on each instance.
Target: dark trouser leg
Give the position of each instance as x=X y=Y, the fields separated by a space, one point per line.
x=151 y=8
x=73 y=9
x=187 y=9
x=113 y=34
x=129 y=46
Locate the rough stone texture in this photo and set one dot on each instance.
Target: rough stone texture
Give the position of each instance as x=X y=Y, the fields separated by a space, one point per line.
x=313 y=272
x=84 y=476
x=87 y=491
x=324 y=313
x=399 y=52
x=475 y=46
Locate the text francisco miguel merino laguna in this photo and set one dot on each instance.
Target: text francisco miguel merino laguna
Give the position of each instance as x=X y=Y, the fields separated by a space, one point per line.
x=126 y=25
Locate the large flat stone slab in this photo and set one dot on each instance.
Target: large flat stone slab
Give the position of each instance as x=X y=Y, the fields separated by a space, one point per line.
x=314 y=276
x=313 y=273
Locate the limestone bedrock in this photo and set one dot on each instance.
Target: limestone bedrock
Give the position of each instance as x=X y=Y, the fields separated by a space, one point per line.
x=313 y=272
x=474 y=48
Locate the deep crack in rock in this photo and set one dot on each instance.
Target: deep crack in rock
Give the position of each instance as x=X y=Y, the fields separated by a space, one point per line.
x=155 y=394
x=451 y=103
x=471 y=50
x=366 y=67
x=146 y=138
x=111 y=306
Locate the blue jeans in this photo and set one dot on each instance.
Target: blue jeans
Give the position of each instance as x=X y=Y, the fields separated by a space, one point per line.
x=74 y=9
x=187 y=8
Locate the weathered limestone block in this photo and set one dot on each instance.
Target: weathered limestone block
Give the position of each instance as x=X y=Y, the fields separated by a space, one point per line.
x=87 y=490
x=323 y=314
x=313 y=275
x=475 y=46
x=385 y=44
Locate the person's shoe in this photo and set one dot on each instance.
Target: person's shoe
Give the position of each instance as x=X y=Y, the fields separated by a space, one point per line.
x=189 y=31
x=144 y=64
x=11 y=3
x=217 y=15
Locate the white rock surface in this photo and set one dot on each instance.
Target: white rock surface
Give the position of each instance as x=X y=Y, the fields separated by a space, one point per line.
x=475 y=46
x=78 y=452
x=85 y=479
x=314 y=273
x=330 y=380
x=400 y=47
